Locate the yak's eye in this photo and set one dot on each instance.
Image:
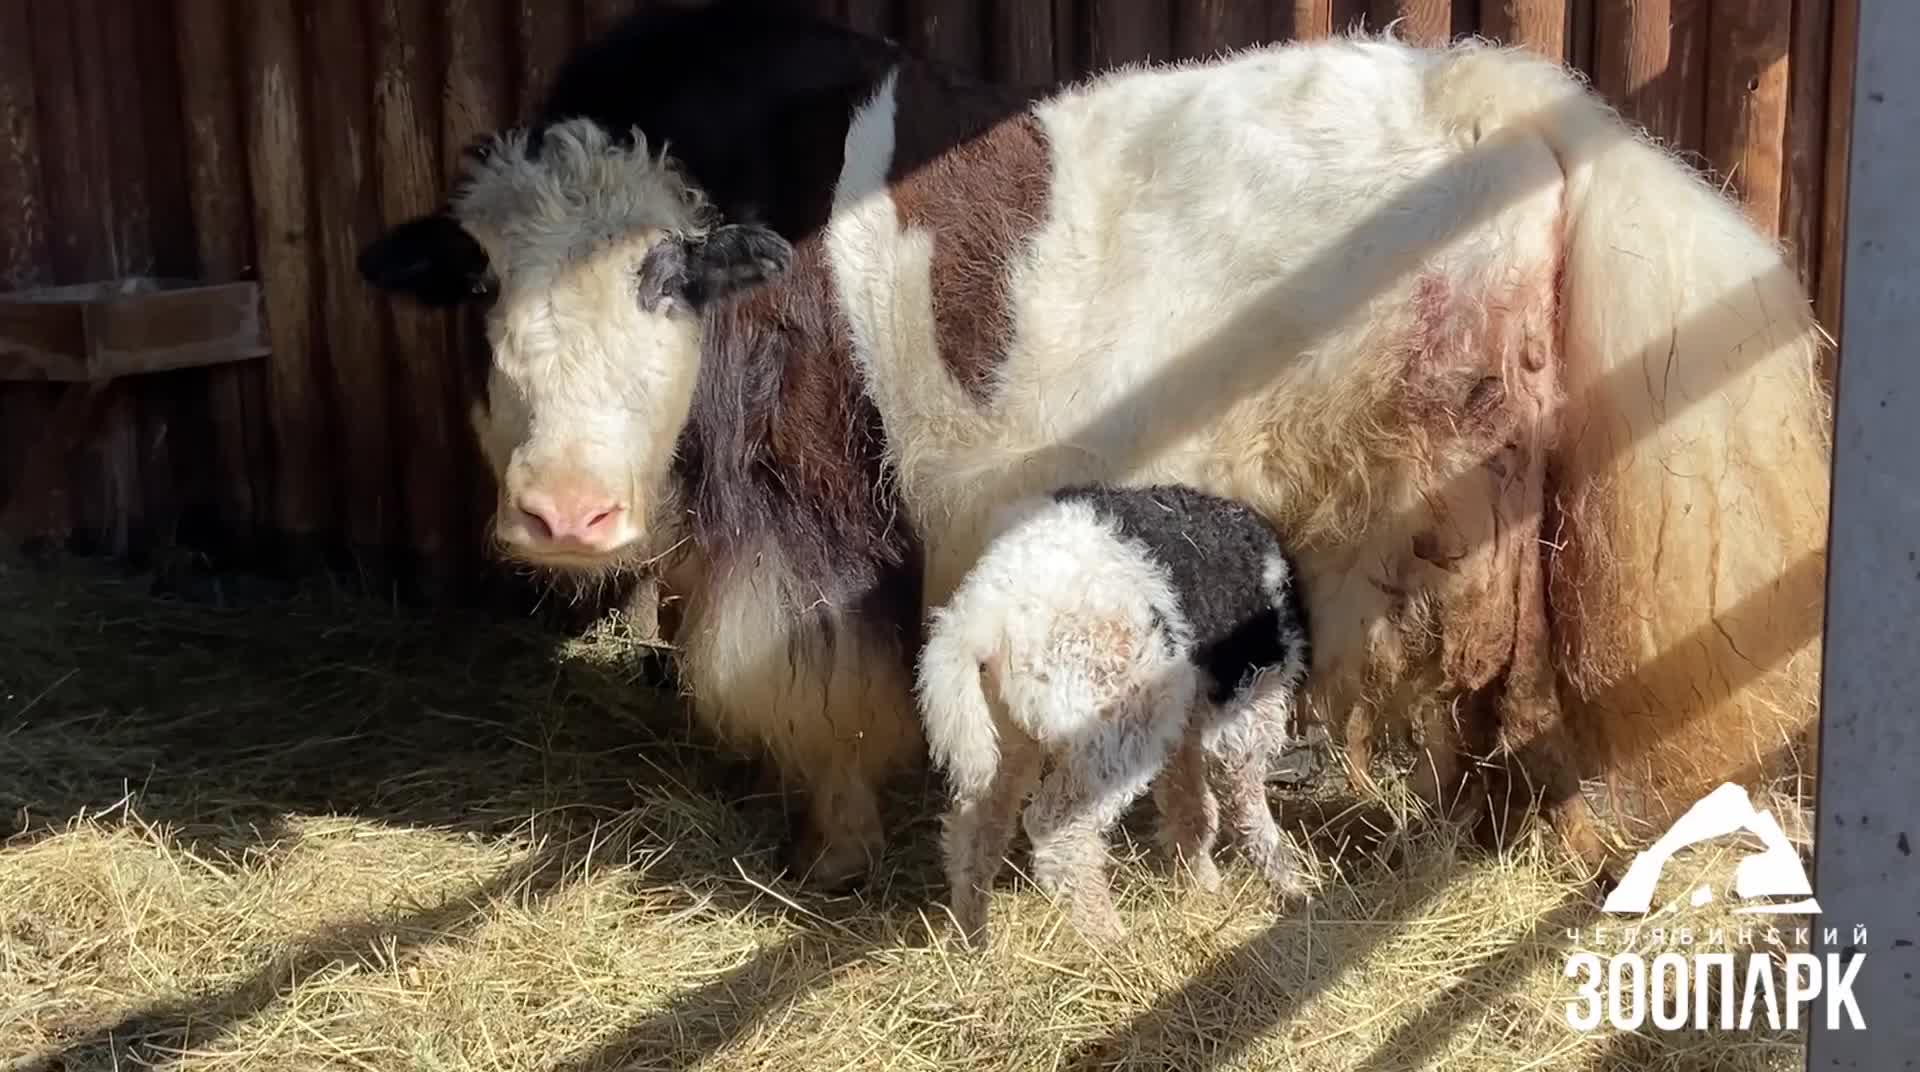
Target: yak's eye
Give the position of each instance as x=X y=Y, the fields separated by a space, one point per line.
x=486 y=288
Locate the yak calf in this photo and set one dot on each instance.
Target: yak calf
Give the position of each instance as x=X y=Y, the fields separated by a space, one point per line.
x=1135 y=637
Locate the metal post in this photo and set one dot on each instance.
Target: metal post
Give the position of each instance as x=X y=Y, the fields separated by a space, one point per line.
x=1865 y=872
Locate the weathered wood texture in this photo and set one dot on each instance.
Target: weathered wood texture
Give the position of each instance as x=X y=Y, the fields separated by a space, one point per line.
x=263 y=140
x=1830 y=275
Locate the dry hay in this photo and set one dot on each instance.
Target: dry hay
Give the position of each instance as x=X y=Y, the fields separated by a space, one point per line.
x=325 y=835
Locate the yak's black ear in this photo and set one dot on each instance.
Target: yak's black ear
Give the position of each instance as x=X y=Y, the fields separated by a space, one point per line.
x=431 y=259
x=696 y=271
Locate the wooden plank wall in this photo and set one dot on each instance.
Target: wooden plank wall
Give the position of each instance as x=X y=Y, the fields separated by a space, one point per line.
x=266 y=139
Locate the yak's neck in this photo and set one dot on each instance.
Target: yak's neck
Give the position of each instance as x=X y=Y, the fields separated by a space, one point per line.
x=783 y=453
x=784 y=443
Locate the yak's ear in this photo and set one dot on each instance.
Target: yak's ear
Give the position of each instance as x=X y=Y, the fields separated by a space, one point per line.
x=431 y=259
x=695 y=271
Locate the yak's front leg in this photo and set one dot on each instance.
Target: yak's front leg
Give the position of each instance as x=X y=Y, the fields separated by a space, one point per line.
x=853 y=728
x=822 y=691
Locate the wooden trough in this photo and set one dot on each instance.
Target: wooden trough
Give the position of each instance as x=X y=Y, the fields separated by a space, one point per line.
x=87 y=336
x=96 y=332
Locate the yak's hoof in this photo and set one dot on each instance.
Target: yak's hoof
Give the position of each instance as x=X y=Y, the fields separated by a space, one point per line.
x=836 y=866
x=970 y=921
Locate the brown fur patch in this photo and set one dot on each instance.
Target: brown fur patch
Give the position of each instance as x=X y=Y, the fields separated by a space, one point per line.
x=982 y=198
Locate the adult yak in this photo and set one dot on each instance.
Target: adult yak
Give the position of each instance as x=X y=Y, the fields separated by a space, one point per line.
x=786 y=311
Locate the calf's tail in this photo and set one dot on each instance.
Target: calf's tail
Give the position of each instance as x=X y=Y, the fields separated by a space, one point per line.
x=963 y=740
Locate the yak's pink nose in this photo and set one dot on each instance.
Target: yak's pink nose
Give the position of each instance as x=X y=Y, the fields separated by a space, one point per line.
x=585 y=521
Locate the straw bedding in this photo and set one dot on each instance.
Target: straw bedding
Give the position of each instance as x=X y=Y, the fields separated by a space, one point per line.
x=321 y=833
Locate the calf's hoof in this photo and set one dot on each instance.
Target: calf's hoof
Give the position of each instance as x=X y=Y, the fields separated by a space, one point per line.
x=1279 y=866
x=1098 y=924
x=1291 y=889
x=1201 y=872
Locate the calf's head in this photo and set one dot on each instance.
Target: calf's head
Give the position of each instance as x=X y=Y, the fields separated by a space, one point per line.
x=594 y=259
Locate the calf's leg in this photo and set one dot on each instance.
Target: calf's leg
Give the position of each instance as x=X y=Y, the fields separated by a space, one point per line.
x=1109 y=766
x=1240 y=745
x=1189 y=812
x=977 y=830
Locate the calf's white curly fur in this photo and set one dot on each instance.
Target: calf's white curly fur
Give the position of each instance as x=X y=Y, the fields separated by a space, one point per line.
x=1134 y=637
